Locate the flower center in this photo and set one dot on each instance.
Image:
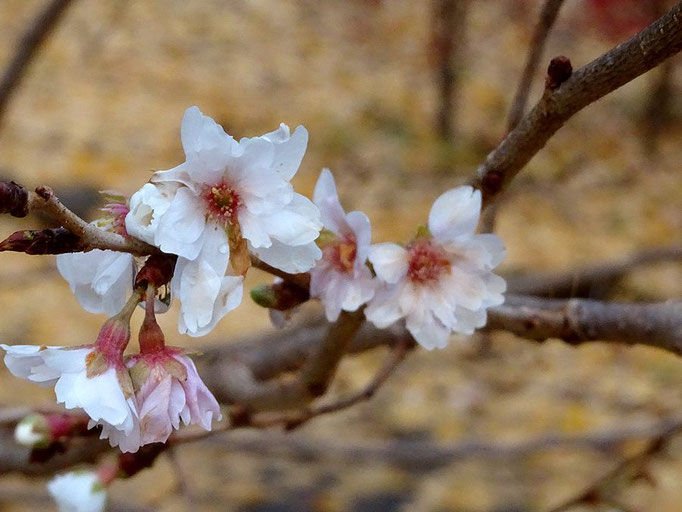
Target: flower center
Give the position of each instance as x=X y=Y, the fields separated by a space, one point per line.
x=222 y=203
x=341 y=254
x=428 y=262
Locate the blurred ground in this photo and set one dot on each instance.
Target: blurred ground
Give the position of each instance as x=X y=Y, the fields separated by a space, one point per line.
x=101 y=107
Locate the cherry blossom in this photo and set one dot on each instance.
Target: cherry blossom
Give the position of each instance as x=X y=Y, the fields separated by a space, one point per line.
x=442 y=281
x=242 y=188
x=167 y=387
x=89 y=377
x=341 y=279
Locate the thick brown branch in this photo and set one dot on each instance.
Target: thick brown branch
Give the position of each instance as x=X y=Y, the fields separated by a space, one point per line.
x=627 y=61
x=240 y=386
x=580 y=320
x=27 y=47
x=548 y=15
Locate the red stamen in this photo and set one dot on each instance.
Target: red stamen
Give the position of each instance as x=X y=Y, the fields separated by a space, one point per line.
x=222 y=203
x=427 y=261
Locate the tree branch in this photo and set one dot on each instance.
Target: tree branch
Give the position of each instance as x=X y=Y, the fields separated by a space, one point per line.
x=26 y=49
x=581 y=320
x=627 y=61
x=586 y=281
x=548 y=15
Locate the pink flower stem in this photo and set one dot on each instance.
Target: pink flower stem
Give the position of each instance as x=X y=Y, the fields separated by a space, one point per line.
x=151 y=336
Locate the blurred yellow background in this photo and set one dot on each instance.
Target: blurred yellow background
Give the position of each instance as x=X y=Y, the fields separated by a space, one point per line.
x=101 y=106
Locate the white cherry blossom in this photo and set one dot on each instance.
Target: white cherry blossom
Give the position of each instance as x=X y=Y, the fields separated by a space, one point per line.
x=242 y=188
x=90 y=377
x=442 y=281
x=78 y=491
x=341 y=279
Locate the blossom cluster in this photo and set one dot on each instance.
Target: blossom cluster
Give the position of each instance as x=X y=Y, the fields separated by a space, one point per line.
x=228 y=202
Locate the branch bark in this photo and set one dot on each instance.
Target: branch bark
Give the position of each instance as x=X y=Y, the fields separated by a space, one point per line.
x=581 y=320
x=625 y=62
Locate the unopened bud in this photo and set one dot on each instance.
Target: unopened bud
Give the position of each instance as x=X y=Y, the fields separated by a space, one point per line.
x=43 y=241
x=13 y=199
x=33 y=431
x=280 y=296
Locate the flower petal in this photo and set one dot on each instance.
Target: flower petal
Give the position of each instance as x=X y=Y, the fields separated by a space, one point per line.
x=292 y=259
x=390 y=261
x=455 y=213
x=181 y=228
x=199 y=132
x=326 y=199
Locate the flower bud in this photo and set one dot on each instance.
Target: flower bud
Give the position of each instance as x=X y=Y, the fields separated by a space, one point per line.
x=33 y=431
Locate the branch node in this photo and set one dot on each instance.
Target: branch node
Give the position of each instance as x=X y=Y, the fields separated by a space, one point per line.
x=559 y=70
x=45 y=192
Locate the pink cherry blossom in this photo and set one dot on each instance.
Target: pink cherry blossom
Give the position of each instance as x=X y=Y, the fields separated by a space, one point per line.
x=341 y=279
x=442 y=281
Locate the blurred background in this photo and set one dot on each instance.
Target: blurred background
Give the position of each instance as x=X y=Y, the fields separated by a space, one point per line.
x=100 y=108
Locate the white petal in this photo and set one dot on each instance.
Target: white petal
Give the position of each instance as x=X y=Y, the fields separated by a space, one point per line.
x=359 y=223
x=468 y=321
x=181 y=228
x=428 y=331
x=26 y=362
x=466 y=288
x=384 y=309
x=253 y=229
x=289 y=151
x=101 y=397
x=292 y=259
x=199 y=132
x=390 y=261
x=485 y=251
x=298 y=223
x=196 y=284
x=147 y=205
x=229 y=297
x=101 y=280
x=326 y=199
x=455 y=213
x=66 y=360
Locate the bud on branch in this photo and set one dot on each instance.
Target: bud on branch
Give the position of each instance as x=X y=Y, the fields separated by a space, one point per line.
x=13 y=199
x=43 y=241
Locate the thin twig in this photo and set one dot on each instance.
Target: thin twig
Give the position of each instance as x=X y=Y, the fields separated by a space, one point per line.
x=27 y=47
x=595 y=492
x=395 y=357
x=548 y=15
x=586 y=281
